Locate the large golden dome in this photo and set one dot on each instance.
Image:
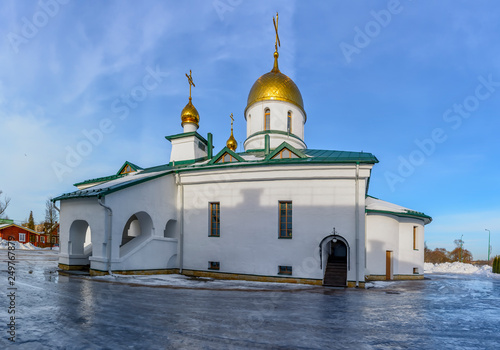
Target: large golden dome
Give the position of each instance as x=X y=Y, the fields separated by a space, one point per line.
x=275 y=86
x=189 y=114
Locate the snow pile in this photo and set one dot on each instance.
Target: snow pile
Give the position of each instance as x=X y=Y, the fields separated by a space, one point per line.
x=4 y=244
x=181 y=281
x=460 y=268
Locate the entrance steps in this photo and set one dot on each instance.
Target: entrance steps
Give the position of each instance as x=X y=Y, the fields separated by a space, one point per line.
x=336 y=274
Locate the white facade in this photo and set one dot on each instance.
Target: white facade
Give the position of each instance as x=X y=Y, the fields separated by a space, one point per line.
x=276 y=212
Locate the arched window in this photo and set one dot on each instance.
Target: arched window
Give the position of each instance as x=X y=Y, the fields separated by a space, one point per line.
x=267 y=119
x=289 y=122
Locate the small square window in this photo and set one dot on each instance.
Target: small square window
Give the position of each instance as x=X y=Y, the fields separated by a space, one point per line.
x=284 y=270
x=415 y=270
x=213 y=265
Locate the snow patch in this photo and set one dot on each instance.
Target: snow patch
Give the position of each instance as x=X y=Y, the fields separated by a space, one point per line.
x=460 y=268
x=4 y=244
x=176 y=280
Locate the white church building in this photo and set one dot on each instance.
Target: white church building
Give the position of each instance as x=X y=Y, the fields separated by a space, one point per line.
x=276 y=212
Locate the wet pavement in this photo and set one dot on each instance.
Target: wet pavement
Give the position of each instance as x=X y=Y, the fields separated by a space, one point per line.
x=70 y=312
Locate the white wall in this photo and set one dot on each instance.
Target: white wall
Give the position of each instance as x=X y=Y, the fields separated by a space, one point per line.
x=389 y=232
x=88 y=210
x=154 y=199
x=279 y=121
x=322 y=197
x=187 y=148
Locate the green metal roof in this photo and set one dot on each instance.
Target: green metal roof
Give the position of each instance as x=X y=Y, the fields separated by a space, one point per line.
x=407 y=213
x=100 y=179
x=309 y=156
x=187 y=134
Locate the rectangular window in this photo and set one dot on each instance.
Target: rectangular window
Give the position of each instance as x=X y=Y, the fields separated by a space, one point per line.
x=53 y=240
x=22 y=237
x=289 y=124
x=284 y=270
x=415 y=238
x=285 y=219
x=215 y=219
x=415 y=270
x=213 y=265
x=42 y=239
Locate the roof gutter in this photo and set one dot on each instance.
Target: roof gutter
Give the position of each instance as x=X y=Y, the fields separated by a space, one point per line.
x=108 y=232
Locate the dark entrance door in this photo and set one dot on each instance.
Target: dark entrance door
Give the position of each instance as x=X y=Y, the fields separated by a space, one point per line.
x=336 y=268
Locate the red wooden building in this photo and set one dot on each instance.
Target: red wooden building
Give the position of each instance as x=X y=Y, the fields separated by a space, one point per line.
x=24 y=235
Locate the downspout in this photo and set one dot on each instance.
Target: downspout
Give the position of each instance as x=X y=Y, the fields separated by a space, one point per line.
x=357 y=223
x=209 y=145
x=108 y=248
x=181 y=222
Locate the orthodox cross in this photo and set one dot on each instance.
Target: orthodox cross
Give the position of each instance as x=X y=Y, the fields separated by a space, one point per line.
x=190 y=80
x=275 y=21
x=232 y=120
x=334 y=231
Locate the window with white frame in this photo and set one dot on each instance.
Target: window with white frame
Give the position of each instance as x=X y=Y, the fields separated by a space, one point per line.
x=22 y=237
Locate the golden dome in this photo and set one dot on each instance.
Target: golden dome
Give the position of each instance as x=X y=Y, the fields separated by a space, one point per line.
x=231 y=143
x=275 y=86
x=189 y=114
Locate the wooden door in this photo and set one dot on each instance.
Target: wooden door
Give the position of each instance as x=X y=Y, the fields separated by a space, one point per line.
x=388 y=265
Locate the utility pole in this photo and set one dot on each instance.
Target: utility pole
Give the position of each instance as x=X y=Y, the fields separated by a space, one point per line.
x=489 y=247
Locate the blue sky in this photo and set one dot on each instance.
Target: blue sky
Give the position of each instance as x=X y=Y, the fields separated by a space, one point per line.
x=417 y=83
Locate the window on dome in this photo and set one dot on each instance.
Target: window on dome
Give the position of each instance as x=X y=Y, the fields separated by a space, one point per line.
x=267 y=119
x=285 y=153
x=226 y=158
x=289 y=122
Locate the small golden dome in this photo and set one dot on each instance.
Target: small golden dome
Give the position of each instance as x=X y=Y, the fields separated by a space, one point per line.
x=231 y=143
x=189 y=114
x=275 y=86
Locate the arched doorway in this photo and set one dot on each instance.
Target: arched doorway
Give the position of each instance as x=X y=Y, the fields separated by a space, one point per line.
x=335 y=250
x=80 y=240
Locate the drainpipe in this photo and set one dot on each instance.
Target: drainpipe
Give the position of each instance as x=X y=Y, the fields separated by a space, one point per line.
x=181 y=222
x=357 y=223
x=209 y=145
x=110 y=216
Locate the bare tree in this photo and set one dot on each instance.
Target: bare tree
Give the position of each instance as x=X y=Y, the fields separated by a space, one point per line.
x=4 y=204
x=51 y=217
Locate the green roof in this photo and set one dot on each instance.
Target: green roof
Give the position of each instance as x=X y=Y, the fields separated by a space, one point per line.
x=407 y=213
x=307 y=156
x=100 y=179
